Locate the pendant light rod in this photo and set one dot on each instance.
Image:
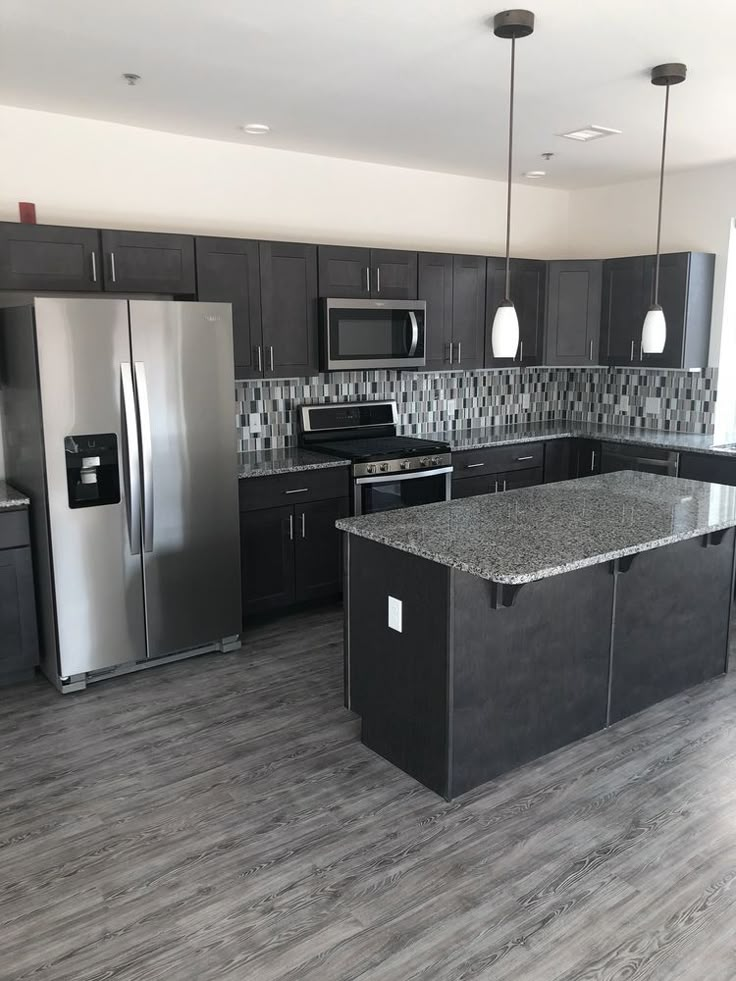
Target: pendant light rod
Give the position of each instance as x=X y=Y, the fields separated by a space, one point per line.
x=667 y=75
x=507 y=285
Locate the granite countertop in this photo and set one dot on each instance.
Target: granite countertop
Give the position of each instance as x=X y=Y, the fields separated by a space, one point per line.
x=481 y=438
x=11 y=499
x=290 y=459
x=536 y=532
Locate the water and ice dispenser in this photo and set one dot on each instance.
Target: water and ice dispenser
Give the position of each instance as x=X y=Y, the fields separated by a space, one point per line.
x=92 y=471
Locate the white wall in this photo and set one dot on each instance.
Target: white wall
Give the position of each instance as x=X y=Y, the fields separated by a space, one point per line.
x=86 y=172
x=699 y=206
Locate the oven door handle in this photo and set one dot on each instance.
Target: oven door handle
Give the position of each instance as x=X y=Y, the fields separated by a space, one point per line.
x=393 y=477
x=414 y=334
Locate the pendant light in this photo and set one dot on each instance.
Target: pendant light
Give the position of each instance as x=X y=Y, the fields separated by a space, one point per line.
x=510 y=24
x=654 y=331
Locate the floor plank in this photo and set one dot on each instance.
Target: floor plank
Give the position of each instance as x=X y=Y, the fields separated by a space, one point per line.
x=220 y=819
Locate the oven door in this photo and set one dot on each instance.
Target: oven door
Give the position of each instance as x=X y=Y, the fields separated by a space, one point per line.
x=406 y=490
x=365 y=334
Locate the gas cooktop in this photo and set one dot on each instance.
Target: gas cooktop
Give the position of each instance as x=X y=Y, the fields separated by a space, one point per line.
x=372 y=448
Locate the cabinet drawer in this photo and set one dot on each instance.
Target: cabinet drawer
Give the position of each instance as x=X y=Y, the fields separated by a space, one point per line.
x=14 y=529
x=498 y=459
x=293 y=488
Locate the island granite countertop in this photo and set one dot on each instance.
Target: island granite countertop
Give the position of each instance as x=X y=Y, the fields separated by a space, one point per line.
x=288 y=459
x=484 y=437
x=11 y=499
x=536 y=532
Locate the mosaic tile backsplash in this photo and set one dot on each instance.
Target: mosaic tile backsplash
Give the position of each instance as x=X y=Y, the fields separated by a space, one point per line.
x=679 y=401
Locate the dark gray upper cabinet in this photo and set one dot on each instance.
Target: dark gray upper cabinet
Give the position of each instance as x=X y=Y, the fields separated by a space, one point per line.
x=228 y=271
x=685 y=294
x=352 y=273
x=49 y=257
x=527 y=289
x=435 y=288
x=573 y=312
x=289 y=300
x=148 y=262
x=344 y=272
x=468 y=310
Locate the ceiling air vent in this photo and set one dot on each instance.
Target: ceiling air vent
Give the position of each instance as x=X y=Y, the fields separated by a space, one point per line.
x=587 y=133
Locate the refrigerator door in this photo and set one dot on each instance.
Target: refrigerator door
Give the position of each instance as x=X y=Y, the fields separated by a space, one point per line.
x=90 y=456
x=183 y=358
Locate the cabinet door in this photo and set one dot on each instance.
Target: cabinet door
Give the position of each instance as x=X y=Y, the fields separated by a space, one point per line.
x=267 y=558
x=712 y=469
x=227 y=271
x=515 y=479
x=289 y=309
x=148 y=262
x=471 y=486
x=528 y=287
x=393 y=274
x=47 y=257
x=435 y=288
x=673 y=289
x=319 y=548
x=468 y=310
x=344 y=272
x=18 y=636
x=495 y=288
x=624 y=306
x=588 y=457
x=573 y=315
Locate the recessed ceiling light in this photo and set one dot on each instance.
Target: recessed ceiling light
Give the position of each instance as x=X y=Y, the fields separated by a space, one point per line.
x=256 y=129
x=587 y=133
x=131 y=78
x=534 y=174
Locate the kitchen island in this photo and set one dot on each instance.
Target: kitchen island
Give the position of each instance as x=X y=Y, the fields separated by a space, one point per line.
x=486 y=632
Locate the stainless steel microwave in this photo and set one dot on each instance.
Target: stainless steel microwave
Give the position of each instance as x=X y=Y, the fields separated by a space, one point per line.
x=364 y=334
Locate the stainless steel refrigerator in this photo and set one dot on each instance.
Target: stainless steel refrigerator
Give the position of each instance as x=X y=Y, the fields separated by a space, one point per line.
x=119 y=425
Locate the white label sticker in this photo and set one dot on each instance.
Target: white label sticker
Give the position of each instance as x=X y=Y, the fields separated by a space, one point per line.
x=394 y=613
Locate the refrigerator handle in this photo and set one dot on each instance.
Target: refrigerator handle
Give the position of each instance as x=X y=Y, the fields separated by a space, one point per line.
x=146 y=455
x=131 y=464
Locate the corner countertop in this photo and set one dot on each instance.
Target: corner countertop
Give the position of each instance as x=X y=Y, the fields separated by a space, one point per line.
x=536 y=532
x=290 y=459
x=11 y=499
x=482 y=438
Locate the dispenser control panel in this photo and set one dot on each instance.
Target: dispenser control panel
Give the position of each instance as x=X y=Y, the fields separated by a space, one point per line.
x=92 y=470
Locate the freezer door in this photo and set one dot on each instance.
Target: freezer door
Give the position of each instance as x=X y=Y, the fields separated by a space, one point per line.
x=183 y=359
x=84 y=369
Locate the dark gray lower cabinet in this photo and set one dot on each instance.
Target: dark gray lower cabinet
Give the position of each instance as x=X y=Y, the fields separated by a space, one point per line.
x=587 y=457
x=18 y=630
x=291 y=553
x=715 y=469
x=497 y=483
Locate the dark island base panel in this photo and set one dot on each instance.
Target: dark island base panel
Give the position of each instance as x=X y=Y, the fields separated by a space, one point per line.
x=471 y=689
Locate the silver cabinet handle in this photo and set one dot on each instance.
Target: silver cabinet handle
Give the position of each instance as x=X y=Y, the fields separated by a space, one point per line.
x=304 y=524
x=592 y=462
x=504 y=485
x=451 y=348
x=113 y=277
x=378 y=279
x=291 y=527
x=297 y=490
x=367 y=279
x=520 y=458
x=414 y=333
x=94 y=267
x=641 y=351
x=495 y=487
x=590 y=354
x=132 y=469
x=472 y=466
x=521 y=357
x=459 y=352
x=270 y=355
x=144 y=416
x=631 y=354
x=260 y=358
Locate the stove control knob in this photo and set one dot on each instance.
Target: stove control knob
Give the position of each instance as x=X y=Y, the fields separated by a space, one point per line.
x=424 y=462
x=405 y=464
x=383 y=468
x=435 y=461
x=371 y=468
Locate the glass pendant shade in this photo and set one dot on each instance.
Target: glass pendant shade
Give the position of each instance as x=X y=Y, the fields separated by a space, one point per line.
x=654 y=332
x=505 y=331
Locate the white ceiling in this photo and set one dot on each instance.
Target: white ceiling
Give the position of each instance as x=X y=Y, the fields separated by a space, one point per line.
x=418 y=83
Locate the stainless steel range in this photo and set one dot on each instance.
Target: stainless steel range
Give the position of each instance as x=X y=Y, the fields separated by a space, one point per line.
x=389 y=471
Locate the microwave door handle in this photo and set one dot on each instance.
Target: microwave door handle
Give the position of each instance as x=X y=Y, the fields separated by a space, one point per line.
x=414 y=333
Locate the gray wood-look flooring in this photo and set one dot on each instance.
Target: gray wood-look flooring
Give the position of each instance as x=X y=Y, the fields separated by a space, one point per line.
x=219 y=819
